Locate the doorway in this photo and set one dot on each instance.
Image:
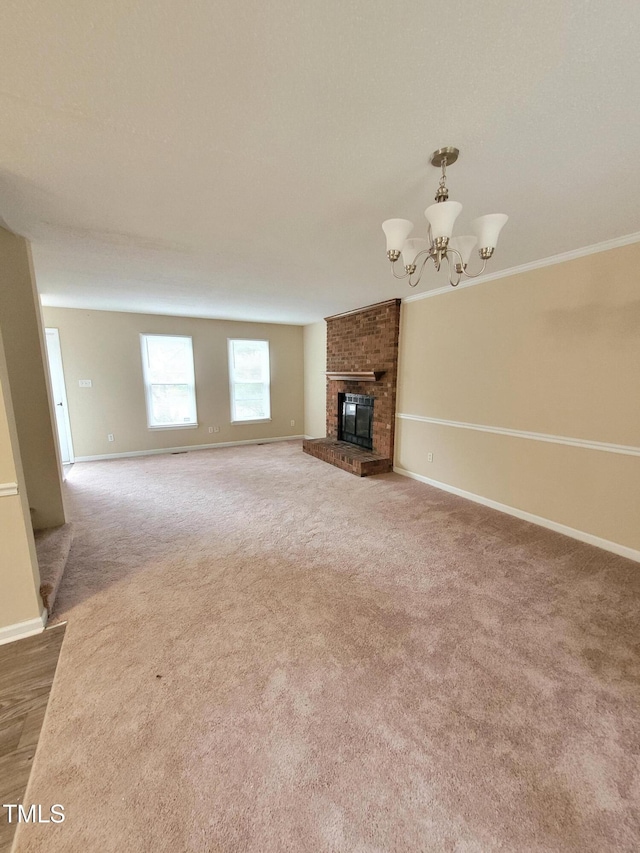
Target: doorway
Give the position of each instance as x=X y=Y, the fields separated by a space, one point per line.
x=58 y=389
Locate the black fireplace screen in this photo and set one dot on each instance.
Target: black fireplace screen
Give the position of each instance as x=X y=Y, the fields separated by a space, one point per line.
x=356 y=419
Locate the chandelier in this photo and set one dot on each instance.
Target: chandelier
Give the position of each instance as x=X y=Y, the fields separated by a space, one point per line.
x=440 y=245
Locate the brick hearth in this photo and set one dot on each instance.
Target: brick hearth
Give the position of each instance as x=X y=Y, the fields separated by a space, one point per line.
x=359 y=341
x=347 y=456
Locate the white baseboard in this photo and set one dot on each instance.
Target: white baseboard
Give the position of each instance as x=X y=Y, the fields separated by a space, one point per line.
x=580 y=535
x=186 y=448
x=23 y=629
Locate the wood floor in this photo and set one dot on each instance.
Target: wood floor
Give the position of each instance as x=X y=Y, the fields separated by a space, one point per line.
x=27 y=668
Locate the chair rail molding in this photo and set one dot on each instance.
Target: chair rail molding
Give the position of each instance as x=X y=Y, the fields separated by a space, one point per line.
x=624 y=449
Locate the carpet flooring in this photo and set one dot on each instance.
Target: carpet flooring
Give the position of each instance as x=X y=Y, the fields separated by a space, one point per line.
x=52 y=546
x=265 y=653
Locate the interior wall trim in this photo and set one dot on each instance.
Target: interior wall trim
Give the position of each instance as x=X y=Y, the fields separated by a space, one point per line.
x=616 y=243
x=624 y=449
x=23 y=629
x=580 y=535
x=7 y=489
x=186 y=448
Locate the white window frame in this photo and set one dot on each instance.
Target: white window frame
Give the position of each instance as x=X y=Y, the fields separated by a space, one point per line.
x=192 y=424
x=230 y=342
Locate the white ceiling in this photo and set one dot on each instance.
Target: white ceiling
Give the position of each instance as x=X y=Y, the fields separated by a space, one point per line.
x=235 y=159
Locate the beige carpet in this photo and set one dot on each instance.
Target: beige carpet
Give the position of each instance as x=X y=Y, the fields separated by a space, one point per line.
x=265 y=653
x=52 y=546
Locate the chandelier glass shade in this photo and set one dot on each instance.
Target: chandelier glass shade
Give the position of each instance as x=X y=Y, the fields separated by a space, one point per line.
x=439 y=244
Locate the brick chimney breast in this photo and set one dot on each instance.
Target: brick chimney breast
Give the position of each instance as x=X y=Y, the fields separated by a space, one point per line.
x=365 y=340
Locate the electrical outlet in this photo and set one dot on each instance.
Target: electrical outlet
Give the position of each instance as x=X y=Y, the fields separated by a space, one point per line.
x=110 y=436
x=293 y=423
x=84 y=383
x=429 y=457
x=216 y=429
x=210 y=429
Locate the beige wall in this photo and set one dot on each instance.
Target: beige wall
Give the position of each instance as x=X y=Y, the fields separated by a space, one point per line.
x=22 y=332
x=315 y=380
x=104 y=346
x=19 y=578
x=554 y=351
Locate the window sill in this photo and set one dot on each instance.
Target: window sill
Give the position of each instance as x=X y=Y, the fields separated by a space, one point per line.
x=255 y=421
x=174 y=426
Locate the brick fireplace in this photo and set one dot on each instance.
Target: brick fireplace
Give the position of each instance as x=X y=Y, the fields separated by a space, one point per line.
x=362 y=363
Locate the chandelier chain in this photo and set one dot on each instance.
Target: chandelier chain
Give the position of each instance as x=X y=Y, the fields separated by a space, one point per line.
x=443 y=193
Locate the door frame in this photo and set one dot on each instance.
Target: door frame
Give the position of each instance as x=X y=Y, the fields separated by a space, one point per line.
x=52 y=337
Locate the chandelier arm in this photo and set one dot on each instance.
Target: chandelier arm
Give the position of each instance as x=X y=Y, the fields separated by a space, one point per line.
x=393 y=270
x=417 y=281
x=428 y=253
x=449 y=253
x=476 y=274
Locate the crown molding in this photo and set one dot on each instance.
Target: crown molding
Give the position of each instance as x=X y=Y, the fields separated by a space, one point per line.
x=394 y=301
x=595 y=248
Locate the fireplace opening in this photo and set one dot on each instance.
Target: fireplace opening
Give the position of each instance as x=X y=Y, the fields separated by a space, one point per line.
x=355 y=415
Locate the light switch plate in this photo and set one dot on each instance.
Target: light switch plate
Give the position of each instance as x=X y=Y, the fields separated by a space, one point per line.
x=84 y=383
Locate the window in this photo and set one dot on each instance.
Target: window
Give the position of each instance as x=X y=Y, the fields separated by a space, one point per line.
x=167 y=365
x=249 y=378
